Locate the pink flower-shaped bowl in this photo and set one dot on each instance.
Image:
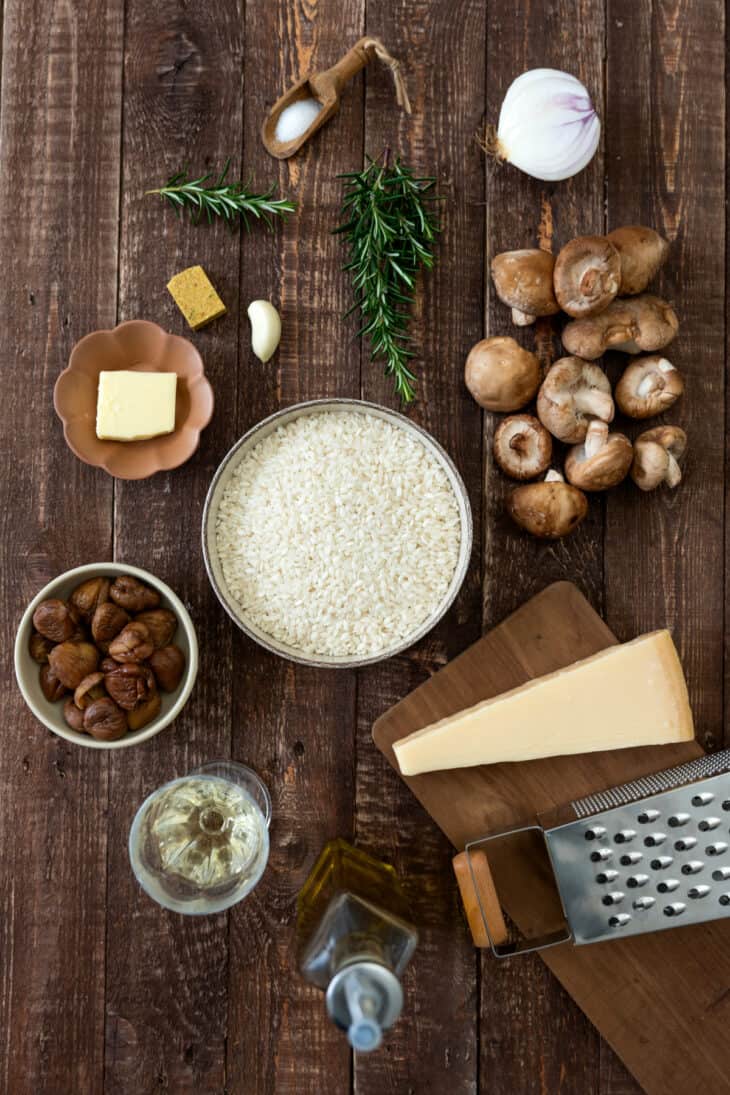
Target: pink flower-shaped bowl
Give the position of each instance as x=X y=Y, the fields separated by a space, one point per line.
x=140 y=346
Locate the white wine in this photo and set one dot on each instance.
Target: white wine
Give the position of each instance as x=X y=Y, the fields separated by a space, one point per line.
x=199 y=844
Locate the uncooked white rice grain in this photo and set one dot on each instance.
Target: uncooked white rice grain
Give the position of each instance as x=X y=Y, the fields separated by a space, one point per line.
x=338 y=534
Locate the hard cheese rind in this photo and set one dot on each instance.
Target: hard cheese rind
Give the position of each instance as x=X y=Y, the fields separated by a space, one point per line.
x=132 y=406
x=628 y=695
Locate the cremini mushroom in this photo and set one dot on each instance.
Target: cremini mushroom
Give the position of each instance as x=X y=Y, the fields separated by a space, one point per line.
x=587 y=275
x=648 y=386
x=501 y=375
x=550 y=509
x=657 y=454
x=572 y=393
x=633 y=324
x=602 y=461
x=642 y=251
x=524 y=282
x=522 y=446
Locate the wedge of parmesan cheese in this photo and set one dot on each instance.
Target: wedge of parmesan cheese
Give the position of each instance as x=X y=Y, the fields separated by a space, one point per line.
x=633 y=694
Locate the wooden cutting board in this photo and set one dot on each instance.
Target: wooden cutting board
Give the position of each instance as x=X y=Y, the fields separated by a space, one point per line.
x=661 y=1000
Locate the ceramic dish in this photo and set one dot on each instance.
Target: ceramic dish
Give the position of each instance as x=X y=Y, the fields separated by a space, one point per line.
x=138 y=346
x=51 y=714
x=223 y=476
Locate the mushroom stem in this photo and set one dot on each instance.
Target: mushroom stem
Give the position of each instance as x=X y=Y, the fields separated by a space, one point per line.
x=674 y=473
x=522 y=319
x=596 y=437
x=651 y=383
x=593 y=401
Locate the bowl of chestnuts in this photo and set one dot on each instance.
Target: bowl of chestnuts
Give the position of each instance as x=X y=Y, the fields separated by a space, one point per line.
x=106 y=655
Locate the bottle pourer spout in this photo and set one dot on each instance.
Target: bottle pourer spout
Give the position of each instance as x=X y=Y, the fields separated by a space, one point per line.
x=364 y=1003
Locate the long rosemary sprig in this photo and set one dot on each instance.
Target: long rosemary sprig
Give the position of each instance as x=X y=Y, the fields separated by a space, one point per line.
x=390 y=230
x=230 y=200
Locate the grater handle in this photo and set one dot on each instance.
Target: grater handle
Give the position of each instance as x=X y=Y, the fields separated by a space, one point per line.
x=479 y=897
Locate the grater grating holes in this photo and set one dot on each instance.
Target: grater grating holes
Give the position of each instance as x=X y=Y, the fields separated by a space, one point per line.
x=644 y=903
x=614 y=898
x=722 y=874
x=653 y=840
x=619 y=920
x=725 y=899
x=629 y=859
x=698 y=891
x=676 y=820
x=693 y=867
x=647 y=816
x=703 y=799
x=601 y=855
x=669 y=885
x=624 y=836
x=718 y=848
x=675 y=909
x=686 y=844
x=661 y=863
x=606 y=876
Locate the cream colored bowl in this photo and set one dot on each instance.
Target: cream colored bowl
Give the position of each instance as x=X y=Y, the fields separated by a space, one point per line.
x=222 y=478
x=51 y=714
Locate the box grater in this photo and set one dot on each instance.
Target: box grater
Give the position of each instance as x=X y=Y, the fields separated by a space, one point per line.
x=641 y=857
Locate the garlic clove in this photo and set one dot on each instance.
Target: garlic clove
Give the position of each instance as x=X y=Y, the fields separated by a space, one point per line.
x=265 y=329
x=548 y=126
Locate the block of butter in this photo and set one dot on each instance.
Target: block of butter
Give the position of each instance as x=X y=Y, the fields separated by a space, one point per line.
x=193 y=292
x=133 y=406
x=633 y=694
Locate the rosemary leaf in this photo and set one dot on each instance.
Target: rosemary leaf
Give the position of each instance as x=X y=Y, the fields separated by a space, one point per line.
x=232 y=201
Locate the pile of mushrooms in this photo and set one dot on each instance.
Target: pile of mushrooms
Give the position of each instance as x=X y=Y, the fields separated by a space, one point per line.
x=600 y=282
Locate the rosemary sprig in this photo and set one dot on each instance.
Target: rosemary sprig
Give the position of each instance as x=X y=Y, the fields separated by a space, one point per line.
x=230 y=200
x=390 y=230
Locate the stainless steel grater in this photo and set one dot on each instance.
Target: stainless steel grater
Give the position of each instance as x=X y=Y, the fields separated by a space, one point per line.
x=642 y=857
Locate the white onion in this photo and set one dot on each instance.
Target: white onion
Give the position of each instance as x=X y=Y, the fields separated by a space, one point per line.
x=548 y=126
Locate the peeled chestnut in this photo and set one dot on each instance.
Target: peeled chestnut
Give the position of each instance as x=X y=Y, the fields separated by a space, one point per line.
x=73 y=716
x=130 y=685
x=90 y=689
x=104 y=720
x=71 y=662
x=145 y=712
x=168 y=666
x=39 y=647
x=133 y=595
x=107 y=664
x=132 y=644
x=161 y=624
x=87 y=597
x=51 y=686
x=108 y=620
x=56 y=620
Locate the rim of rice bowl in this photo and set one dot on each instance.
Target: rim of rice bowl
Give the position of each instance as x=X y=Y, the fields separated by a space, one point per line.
x=227 y=472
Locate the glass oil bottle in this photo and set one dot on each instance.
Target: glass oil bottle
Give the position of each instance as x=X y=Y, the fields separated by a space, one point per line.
x=354 y=940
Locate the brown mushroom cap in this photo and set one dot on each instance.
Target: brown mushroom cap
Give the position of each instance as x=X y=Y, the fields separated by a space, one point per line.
x=602 y=461
x=648 y=386
x=657 y=454
x=550 y=509
x=522 y=446
x=524 y=282
x=501 y=375
x=587 y=275
x=642 y=251
x=572 y=393
x=633 y=324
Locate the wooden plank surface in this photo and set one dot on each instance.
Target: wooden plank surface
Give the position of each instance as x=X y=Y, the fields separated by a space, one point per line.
x=98 y=101
x=61 y=109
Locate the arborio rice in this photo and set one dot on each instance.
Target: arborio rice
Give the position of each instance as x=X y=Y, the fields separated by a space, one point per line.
x=338 y=534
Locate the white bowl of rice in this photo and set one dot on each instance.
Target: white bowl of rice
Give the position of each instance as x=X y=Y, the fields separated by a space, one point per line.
x=337 y=533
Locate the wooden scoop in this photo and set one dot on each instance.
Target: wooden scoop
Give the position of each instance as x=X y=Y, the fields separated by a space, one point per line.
x=326 y=87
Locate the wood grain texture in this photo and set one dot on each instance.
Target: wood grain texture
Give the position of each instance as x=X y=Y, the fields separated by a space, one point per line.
x=659 y=132
x=523 y=212
x=167 y=975
x=294 y=724
x=60 y=112
x=434 y=1049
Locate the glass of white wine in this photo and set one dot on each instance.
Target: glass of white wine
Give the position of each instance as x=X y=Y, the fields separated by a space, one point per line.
x=200 y=843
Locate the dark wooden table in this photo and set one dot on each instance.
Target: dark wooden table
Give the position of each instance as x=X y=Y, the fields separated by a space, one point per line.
x=101 y=990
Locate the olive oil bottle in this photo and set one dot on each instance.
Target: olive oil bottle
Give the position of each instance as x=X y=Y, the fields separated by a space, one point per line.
x=354 y=939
